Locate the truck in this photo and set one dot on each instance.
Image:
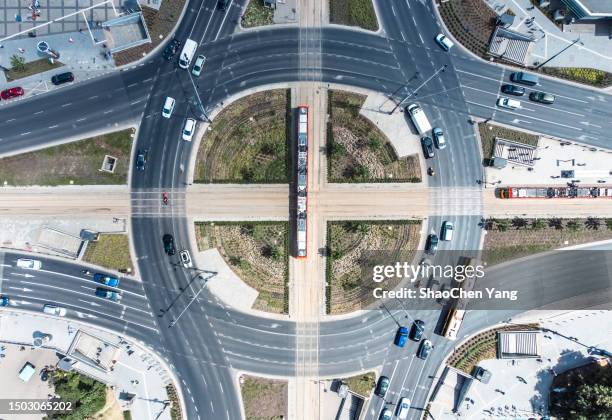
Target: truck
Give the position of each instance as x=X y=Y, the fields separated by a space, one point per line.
x=419 y=119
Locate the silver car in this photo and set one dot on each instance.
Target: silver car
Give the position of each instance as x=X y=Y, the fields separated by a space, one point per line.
x=197 y=67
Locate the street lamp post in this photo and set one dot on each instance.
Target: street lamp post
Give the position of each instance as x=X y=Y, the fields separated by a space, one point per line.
x=559 y=53
x=418 y=88
x=194 y=298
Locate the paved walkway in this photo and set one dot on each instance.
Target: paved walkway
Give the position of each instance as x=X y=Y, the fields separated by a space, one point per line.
x=593 y=51
x=529 y=398
x=335 y=202
x=136 y=371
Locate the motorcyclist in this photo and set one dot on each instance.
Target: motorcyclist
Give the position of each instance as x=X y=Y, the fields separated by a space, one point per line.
x=165 y=197
x=430 y=171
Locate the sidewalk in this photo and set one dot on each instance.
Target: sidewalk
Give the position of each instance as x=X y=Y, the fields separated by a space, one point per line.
x=78 y=52
x=595 y=51
x=134 y=369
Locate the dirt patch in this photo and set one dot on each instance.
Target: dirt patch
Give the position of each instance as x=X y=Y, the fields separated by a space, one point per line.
x=349 y=244
x=488 y=133
x=76 y=163
x=264 y=399
x=358 y=151
x=362 y=384
x=258 y=253
x=247 y=141
x=159 y=23
x=471 y=22
x=482 y=346
x=110 y=251
x=353 y=13
x=257 y=15
x=508 y=239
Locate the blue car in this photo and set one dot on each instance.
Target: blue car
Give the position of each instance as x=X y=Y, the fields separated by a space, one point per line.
x=106 y=280
x=108 y=294
x=4 y=301
x=401 y=336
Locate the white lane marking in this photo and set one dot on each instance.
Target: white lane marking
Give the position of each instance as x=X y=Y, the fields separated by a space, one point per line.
x=53 y=126
x=526 y=116
x=68 y=104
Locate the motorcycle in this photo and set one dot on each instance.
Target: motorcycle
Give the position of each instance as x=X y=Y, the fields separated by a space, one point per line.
x=87 y=272
x=165 y=198
x=431 y=172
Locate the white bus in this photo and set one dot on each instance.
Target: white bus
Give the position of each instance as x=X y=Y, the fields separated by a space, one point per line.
x=187 y=53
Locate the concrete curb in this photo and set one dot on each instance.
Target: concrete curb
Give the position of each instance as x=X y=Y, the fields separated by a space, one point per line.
x=71 y=139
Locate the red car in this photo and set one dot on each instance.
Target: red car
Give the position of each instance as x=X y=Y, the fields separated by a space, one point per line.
x=11 y=93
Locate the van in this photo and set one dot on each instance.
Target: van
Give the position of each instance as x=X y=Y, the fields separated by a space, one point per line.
x=62 y=78
x=524 y=78
x=447 y=231
x=419 y=119
x=29 y=264
x=187 y=54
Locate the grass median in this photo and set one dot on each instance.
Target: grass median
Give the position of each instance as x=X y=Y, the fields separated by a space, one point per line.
x=110 y=251
x=358 y=151
x=264 y=399
x=247 y=142
x=75 y=163
x=359 y=13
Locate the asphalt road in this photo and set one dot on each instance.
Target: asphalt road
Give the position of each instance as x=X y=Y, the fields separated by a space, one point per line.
x=208 y=340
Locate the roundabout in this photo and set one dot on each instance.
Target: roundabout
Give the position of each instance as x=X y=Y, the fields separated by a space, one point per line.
x=207 y=342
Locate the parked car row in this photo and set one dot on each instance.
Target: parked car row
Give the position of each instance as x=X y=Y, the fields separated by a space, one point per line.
x=525 y=79
x=17 y=91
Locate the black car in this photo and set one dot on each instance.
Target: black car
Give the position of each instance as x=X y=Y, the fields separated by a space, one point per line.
x=424 y=349
x=61 y=78
x=513 y=90
x=416 y=332
x=141 y=160
x=382 y=386
x=171 y=49
x=542 y=97
x=428 y=147
x=169 y=244
x=432 y=244
x=222 y=4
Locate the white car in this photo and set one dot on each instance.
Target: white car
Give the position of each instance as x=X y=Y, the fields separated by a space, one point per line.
x=508 y=103
x=54 y=310
x=186 y=259
x=403 y=406
x=447 y=231
x=444 y=42
x=197 y=67
x=188 y=129
x=168 y=107
x=29 y=264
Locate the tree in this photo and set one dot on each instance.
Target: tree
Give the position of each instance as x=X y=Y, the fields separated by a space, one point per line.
x=537 y=224
x=586 y=394
x=355 y=227
x=17 y=62
x=374 y=143
x=556 y=223
x=234 y=260
x=247 y=229
x=502 y=224
x=87 y=394
x=270 y=251
x=609 y=224
x=488 y=224
x=519 y=222
x=573 y=225
x=592 y=223
x=361 y=172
